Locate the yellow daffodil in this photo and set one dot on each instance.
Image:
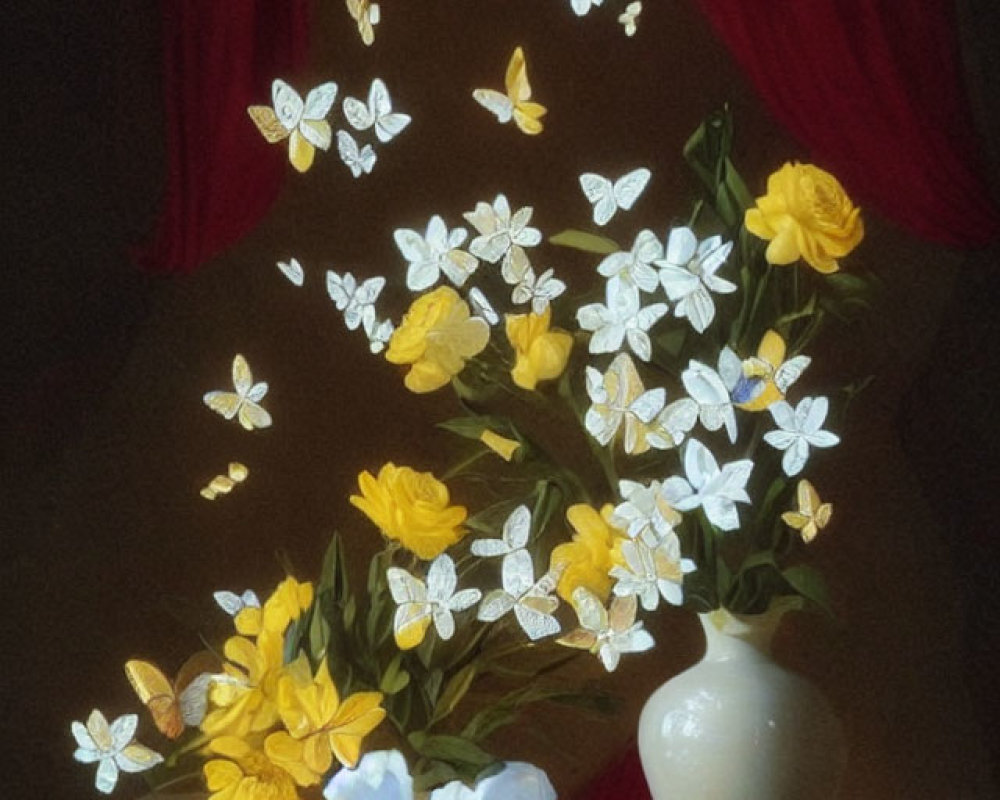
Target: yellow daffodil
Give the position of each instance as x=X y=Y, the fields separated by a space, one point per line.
x=586 y=560
x=436 y=336
x=319 y=727
x=245 y=702
x=501 y=445
x=767 y=376
x=806 y=214
x=541 y=353
x=285 y=605
x=412 y=508
x=245 y=773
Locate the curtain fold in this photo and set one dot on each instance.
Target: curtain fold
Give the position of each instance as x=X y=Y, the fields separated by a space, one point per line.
x=874 y=90
x=221 y=175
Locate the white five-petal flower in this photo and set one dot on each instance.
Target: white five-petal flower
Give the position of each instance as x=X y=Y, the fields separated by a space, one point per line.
x=687 y=273
x=618 y=397
x=652 y=572
x=799 y=429
x=636 y=267
x=112 y=746
x=716 y=490
x=710 y=389
x=499 y=230
x=644 y=512
x=621 y=318
x=437 y=599
x=433 y=253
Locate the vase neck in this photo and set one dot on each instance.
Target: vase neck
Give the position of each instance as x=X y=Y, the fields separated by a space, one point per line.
x=729 y=636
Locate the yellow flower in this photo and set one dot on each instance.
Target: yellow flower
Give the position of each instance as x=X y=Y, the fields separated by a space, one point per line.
x=412 y=508
x=436 y=336
x=246 y=702
x=245 y=773
x=541 y=353
x=285 y=605
x=319 y=726
x=767 y=376
x=587 y=559
x=806 y=214
x=501 y=445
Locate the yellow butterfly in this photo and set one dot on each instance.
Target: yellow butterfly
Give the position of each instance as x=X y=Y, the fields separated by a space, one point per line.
x=223 y=484
x=305 y=122
x=244 y=402
x=516 y=103
x=367 y=14
x=812 y=515
x=180 y=703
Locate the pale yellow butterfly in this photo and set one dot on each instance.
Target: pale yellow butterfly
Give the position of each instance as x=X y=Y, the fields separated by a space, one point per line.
x=367 y=14
x=174 y=704
x=516 y=104
x=244 y=402
x=812 y=515
x=223 y=484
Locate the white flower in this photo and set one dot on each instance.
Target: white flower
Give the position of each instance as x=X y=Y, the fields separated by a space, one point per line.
x=380 y=775
x=482 y=307
x=516 y=781
x=499 y=230
x=650 y=572
x=609 y=632
x=799 y=429
x=672 y=424
x=636 y=268
x=622 y=318
x=711 y=391
x=112 y=746
x=716 y=490
x=618 y=397
x=688 y=274
x=433 y=253
x=539 y=291
x=581 y=7
x=416 y=602
x=645 y=512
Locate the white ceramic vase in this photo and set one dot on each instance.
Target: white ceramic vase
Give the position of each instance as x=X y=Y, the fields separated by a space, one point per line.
x=737 y=726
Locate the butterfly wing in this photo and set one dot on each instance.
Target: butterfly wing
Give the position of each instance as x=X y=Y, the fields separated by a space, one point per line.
x=388 y=123
x=157 y=693
x=253 y=416
x=292 y=270
x=628 y=187
x=600 y=192
x=359 y=116
x=267 y=123
x=319 y=101
x=225 y=403
x=288 y=105
x=496 y=103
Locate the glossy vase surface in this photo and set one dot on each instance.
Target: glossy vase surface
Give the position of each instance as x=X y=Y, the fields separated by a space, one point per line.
x=738 y=726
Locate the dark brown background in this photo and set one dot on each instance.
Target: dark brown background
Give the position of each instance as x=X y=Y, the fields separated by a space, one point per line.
x=109 y=552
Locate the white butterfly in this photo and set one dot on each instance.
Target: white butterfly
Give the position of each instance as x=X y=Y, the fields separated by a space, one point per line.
x=433 y=253
x=711 y=391
x=357 y=301
x=359 y=161
x=539 y=291
x=581 y=7
x=531 y=601
x=377 y=112
x=630 y=17
x=418 y=604
x=608 y=197
x=113 y=747
x=609 y=633
x=652 y=572
x=482 y=307
x=292 y=270
x=379 y=332
x=304 y=122
x=233 y=603
x=715 y=490
x=516 y=531
x=367 y=14
x=244 y=402
x=621 y=319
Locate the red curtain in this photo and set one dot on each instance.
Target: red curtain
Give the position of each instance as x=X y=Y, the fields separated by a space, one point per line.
x=875 y=91
x=222 y=176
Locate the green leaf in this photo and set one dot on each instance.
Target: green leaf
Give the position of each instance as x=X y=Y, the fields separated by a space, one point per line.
x=350 y=612
x=488 y=720
x=548 y=502
x=395 y=678
x=432 y=686
x=449 y=748
x=319 y=633
x=808 y=582
x=453 y=693
x=436 y=773
x=672 y=340
x=587 y=242
x=468 y=427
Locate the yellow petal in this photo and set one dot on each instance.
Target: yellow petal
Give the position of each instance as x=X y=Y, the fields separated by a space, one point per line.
x=501 y=445
x=220 y=774
x=300 y=152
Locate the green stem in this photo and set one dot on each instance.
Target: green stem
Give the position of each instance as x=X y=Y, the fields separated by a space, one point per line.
x=461 y=465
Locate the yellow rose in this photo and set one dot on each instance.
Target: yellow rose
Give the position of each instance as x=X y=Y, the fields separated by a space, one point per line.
x=806 y=214
x=587 y=559
x=412 y=508
x=436 y=336
x=541 y=353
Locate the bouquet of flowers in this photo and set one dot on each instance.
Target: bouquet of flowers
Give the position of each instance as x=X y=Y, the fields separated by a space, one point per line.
x=637 y=440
